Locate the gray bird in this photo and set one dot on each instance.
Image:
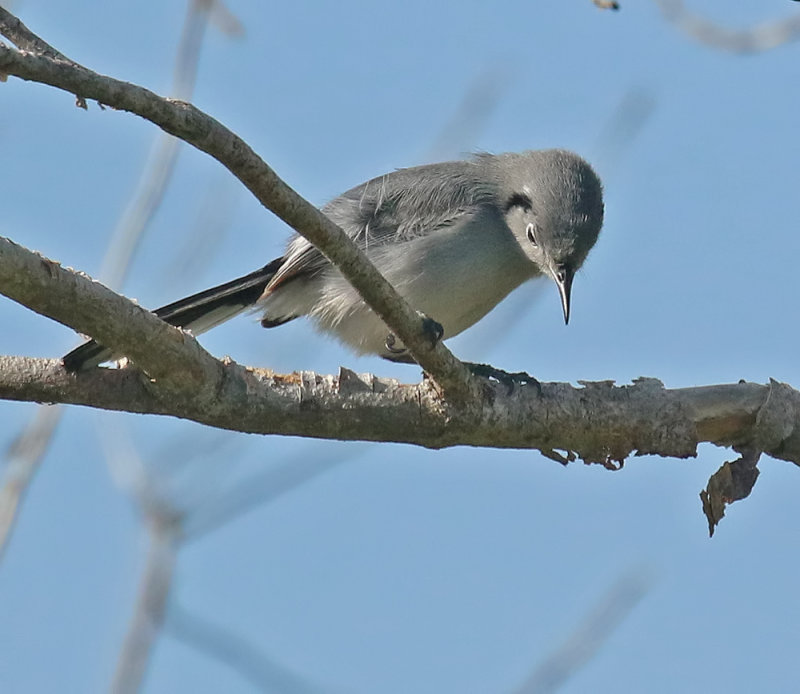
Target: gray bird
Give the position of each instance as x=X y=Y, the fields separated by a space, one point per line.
x=452 y=238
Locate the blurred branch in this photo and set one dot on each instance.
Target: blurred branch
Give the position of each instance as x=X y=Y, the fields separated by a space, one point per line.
x=756 y=39
x=619 y=131
x=224 y=21
x=22 y=461
x=237 y=653
x=195 y=127
x=634 y=110
x=153 y=181
x=606 y=4
x=263 y=488
x=207 y=228
x=166 y=524
x=478 y=103
x=27 y=452
x=163 y=524
x=150 y=607
x=590 y=635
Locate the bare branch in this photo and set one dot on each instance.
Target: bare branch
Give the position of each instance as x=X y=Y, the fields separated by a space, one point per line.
x=222 y=18
x=471 y=115
x=23 y=458
x=24 y=39
x=263 y=488
x=168 y=355
x=28 y=451
x=756 y=39
x=166 y=523
x=238 y=653
x=154 y=179
x=195 y=127
x=590 y=635
x=598 y=422
x=631 y=115
x=150 y=606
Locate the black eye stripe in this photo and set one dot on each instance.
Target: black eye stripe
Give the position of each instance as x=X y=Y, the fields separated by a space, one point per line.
x=519 y=200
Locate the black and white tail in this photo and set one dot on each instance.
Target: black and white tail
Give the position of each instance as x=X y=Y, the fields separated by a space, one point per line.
x=197 y=313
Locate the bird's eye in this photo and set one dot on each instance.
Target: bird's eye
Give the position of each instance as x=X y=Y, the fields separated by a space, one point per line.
x=530 y=232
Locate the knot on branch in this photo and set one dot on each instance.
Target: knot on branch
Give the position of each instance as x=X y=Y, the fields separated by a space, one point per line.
x=776 y=433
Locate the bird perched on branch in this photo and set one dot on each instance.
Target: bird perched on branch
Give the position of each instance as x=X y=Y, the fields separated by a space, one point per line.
x=452 y=238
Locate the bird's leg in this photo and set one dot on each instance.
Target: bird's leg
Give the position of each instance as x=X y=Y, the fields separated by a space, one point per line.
x=510 y=380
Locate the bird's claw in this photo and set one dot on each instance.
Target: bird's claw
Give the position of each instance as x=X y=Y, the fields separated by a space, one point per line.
x=432 y=329
x=390 y=342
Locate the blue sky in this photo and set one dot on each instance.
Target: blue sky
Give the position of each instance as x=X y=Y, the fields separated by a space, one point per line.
x=395 y=569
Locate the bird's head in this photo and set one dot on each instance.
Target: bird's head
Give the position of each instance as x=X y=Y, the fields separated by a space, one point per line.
x=553 y=203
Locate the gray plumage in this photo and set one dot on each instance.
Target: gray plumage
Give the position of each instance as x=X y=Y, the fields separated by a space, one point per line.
x=453 y=238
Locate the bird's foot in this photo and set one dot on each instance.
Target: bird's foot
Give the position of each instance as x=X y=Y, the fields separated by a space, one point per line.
x=391 y=344
x=432 y=329
x=509 y=380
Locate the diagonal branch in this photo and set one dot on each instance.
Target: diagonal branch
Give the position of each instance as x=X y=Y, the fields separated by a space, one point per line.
x=169 y=355
x=588 y=637
x=205 y=133
x=24 y=39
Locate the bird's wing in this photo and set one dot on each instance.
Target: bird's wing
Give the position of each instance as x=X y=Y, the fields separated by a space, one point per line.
x=393 y=209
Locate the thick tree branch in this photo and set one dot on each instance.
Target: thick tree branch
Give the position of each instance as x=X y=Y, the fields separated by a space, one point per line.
x=169 y=355
x=200 y=130
x=597 y=422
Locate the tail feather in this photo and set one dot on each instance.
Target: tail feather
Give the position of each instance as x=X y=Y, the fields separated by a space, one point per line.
x=198 y=313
